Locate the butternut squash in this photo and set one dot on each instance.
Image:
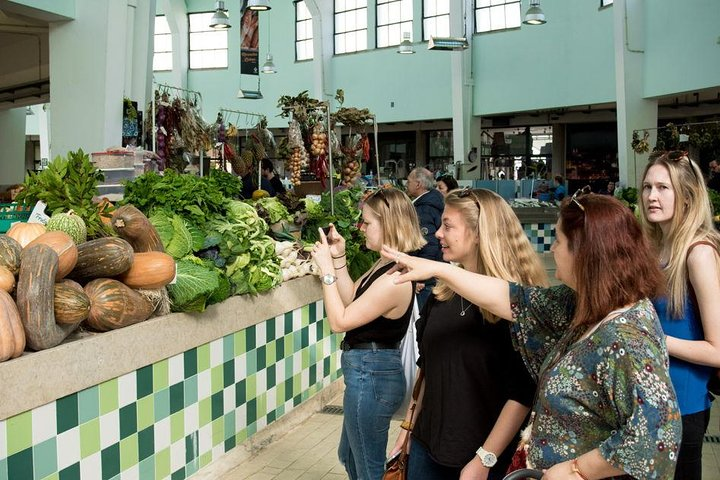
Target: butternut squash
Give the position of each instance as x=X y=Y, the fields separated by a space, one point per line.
x=10 y=251
x=115 y=305
x=35 y=296
x=132 y=225
x=12 y=335
x=64 y=246
x=102 y=258
x=149 y=270
x=70 y=302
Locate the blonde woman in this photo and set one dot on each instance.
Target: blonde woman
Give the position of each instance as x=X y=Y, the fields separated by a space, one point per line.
x=374 y=313
x=677 y=216
x=477 y=392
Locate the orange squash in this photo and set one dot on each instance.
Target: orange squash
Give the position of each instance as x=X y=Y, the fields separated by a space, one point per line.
x=63 y=246
x=149 y=270
x=12 y=335
x=25 y=233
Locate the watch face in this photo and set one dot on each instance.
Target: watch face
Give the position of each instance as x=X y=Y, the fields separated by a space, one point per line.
x=328 y=279
x=489 y=460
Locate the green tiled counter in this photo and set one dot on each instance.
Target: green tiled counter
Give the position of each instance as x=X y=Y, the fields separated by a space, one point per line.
x=164 y=398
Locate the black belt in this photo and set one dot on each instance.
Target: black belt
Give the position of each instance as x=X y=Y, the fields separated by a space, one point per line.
x=344 y=346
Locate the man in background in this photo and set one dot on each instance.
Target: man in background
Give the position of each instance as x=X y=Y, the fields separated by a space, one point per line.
x=429 y=204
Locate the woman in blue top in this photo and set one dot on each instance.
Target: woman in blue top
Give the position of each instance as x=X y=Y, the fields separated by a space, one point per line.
x=677 y=216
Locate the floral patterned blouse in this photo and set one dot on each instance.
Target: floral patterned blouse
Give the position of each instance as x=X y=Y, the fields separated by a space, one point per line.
x=610 y=390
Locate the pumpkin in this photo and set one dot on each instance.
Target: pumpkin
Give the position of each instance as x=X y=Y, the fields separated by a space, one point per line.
x=12 y=335
x=102 y=257
x=132 y=225
x=64 y=246
x=115 y=305
x=7 y=280
x=70 y=223
x=35 y=298
x=25 y=233
x=70 y=303
x=149 y=270
x=10 y=251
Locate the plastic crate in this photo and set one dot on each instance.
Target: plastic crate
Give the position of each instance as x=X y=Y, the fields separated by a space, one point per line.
x=10 y=214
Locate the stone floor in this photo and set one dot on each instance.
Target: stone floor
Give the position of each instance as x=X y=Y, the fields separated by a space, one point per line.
x=308 y=452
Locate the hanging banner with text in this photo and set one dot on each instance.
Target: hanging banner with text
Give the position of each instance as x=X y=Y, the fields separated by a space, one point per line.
x=249 y=43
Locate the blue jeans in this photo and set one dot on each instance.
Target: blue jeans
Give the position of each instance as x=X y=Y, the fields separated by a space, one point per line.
x=423 y=467
x=374 y=389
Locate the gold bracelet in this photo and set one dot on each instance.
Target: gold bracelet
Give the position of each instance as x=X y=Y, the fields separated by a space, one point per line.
x=405 y=425
x=576 y=469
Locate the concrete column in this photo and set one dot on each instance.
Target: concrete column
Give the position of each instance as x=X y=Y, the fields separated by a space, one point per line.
x=176 y=13
x=633 y=111
x=466 y=129
x=322 y=21
x=96 y=60
x=12 y=139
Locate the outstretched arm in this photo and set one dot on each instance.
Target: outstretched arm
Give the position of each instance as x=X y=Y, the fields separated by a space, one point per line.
x=490 y=293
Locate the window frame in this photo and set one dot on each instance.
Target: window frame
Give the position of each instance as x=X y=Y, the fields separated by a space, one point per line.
x=390 y=23
x=312 y=33
x=155 y=51
x=426 y=38
x=335 y=31
x=212 y=30
x=477 y=9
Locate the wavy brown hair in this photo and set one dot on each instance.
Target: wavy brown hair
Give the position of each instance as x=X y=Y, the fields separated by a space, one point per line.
x=614 y=264
x=504 y=250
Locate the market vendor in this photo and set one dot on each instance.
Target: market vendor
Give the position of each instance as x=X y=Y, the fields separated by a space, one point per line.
x=267 y=169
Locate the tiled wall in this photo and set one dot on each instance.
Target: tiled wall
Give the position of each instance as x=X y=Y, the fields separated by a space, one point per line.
x=541 y=235
x=169 y=419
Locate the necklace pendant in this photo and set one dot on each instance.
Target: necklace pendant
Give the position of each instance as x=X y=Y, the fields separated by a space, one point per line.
x=462 y=313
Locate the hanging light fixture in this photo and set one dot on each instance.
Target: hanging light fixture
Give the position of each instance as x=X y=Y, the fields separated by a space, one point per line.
x=220 y=19
x=534 y=14
x=406 y=46
x=259 y=5
x=269 y=65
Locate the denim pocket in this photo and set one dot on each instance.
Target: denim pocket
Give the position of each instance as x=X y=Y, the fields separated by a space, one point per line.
x=388 y=381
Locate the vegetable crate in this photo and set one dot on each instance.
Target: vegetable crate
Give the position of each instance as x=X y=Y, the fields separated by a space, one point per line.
x=11 y=213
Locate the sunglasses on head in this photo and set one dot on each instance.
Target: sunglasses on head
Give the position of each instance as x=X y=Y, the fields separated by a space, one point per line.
x=579 y=194
x=381 y=195
x=677 y=156
x=468 y=192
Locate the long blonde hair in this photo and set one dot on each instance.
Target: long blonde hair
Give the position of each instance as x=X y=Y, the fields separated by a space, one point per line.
x=691 y=222
x=504 y=250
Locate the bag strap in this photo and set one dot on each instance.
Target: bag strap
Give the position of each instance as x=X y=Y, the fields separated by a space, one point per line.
x=404 y=451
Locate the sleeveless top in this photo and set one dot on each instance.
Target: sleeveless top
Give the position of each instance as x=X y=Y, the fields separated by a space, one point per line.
x=689 y=379
x=382 y=329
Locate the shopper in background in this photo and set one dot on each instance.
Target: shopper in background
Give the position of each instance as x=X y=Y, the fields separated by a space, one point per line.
x=610 y=189
x=480 y=407
x=429 y=205
x=445 y=184
x=714 y=180
x=268 y=173
x=677 y=216
x=374 y=313
x=560 y=191
x=605 y=405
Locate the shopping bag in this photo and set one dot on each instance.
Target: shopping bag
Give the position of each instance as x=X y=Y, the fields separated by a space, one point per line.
x=409 y=354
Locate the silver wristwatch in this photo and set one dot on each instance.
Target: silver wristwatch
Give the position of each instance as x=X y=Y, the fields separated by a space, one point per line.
x=488 y=459
x=328 y=279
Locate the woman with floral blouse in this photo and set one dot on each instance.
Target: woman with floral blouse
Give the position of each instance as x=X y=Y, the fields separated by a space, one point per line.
x=605 y=406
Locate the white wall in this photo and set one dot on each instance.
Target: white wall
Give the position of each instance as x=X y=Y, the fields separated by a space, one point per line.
x=12 y=146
